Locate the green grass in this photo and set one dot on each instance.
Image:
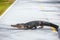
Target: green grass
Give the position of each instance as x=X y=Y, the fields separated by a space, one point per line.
x=4 y=6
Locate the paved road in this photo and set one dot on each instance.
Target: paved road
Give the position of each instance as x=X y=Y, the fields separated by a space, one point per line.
x=28 y=10
x=9 y=33
x=59 y=33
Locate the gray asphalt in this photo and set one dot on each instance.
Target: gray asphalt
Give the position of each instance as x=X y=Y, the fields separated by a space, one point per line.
x=59 y=33
x=9 y=33
x=30 y=10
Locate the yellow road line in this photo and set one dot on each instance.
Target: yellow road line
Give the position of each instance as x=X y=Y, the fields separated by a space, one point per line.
x=53 y=29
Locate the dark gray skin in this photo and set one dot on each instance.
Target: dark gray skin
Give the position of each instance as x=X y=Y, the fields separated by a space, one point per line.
x=34 y=24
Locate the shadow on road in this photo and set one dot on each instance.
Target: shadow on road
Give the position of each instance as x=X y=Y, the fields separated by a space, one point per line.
x=59 y=33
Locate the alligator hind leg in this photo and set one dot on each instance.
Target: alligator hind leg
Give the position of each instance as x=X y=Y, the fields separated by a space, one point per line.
x=41 y=27
x=34 y=27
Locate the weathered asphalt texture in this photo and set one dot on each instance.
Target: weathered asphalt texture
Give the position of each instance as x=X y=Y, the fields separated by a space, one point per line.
x=10 y=33
x=28 y=10
x=59 y=33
